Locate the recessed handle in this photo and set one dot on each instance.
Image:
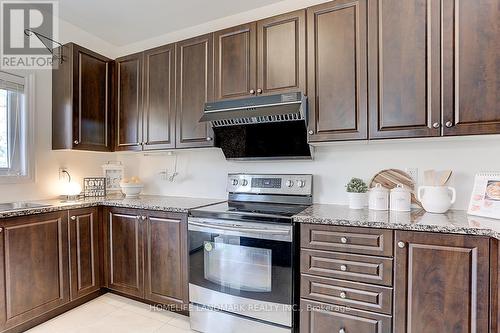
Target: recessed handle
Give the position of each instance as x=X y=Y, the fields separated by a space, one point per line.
x=73 y=218
x=343 y=268
x=401 y=245
x=343 y=240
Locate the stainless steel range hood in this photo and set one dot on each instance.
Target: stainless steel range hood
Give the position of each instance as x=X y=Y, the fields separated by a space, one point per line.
x=262 y=127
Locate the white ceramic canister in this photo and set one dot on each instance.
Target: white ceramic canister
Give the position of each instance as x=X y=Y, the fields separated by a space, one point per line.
x=400 y=199
x=378 y=198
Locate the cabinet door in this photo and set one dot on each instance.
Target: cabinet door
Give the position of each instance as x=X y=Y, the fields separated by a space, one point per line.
x=159 y=98
x=194 y=89
x=281 y=53
x=35 y=267
x=404 y=68
x=166 y=279
x=235 y=62
x=471 y=60
x=124 y=251
x=84 y=252
x=441 y=283
x=129 y=102
x=91 y=89
x=337 y=87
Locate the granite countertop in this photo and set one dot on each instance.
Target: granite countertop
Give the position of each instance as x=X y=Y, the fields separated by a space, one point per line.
x=454 y=221
x=148 y=202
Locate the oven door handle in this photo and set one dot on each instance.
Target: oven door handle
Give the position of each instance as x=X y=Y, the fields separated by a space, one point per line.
x=238 y=229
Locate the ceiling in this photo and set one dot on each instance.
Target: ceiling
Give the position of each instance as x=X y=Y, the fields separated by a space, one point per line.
x=122 y=22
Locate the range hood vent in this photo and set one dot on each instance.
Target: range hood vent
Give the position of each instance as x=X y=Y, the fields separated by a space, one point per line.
x=261 y=127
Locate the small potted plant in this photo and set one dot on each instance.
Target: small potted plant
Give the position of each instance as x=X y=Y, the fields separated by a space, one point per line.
x=356 y=190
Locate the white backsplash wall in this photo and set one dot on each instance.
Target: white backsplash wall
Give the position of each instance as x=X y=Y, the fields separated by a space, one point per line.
x=203 y=172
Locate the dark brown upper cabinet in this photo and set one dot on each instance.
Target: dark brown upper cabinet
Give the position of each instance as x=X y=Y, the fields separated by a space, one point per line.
x=235 y=62
x=159 y=98
x=81 y=100
x=404 y=46
x=129 y=102
x=471 y=60
x=441 y=283
x=281 y=53
x=194 y=88
x=337 y=84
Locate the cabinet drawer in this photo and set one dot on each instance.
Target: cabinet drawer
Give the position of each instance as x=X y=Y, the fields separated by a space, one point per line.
x=350 y=294
x=345 y=266
x=316 y=317
x=347 y=239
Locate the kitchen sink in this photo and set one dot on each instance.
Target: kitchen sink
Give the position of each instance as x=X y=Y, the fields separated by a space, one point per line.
x=20 y=205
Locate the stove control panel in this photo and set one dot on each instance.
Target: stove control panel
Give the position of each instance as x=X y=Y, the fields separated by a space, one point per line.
x=270 y=184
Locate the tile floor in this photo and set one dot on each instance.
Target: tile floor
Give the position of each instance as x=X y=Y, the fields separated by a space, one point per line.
x=111 y=313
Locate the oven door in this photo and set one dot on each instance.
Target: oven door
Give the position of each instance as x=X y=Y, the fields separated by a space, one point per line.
x=242 y=267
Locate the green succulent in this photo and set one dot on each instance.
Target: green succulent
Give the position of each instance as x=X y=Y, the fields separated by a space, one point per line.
x=356 y=185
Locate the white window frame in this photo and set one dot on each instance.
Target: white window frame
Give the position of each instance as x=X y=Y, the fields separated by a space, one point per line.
x=25 y=161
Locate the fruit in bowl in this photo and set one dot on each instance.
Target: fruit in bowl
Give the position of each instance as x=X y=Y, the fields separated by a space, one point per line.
x=131 y=187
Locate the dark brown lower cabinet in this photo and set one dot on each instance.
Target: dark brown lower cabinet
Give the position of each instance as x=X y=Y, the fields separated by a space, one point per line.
x=34 y=267
x=442 y=283
x=146 y=254
x=165 y=267
x=83 y=228
x=124 y=248
x=319 y=317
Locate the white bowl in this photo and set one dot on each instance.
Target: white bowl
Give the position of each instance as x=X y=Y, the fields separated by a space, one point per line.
x=131 y=190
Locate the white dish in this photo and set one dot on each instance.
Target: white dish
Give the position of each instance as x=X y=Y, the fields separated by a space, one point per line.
x=131 y=190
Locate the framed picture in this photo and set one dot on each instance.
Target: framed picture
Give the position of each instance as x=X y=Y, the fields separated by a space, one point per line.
x=114 y=173
x=94 y=187
x=485 y=197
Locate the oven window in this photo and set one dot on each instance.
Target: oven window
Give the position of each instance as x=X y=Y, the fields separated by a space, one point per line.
x=232 y=265
x=247 y=267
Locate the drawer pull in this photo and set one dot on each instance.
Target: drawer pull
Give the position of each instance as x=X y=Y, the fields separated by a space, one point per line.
x=343 y=240
x=343 y=294
x=342 y=330
x=401 y=245
x=343 y=268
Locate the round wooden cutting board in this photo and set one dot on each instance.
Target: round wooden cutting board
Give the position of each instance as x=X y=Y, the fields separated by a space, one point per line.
x=390 y=178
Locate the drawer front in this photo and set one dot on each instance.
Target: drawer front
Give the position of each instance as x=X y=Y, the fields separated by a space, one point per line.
x=345 y=266
x=345 y=293
x=347 y=239
x=316 y=317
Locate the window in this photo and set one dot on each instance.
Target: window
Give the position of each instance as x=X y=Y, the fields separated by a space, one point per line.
x=15 y=130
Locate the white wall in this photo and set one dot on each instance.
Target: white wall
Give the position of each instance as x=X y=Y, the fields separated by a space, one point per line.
x=47 y=162
x=203 y=172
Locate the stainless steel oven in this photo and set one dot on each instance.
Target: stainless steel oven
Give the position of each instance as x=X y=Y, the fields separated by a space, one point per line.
x=241 y=265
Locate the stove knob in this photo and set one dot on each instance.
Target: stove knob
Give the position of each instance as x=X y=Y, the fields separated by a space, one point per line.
x=289 y=183
x=301 y=183
x=244 y=182
x=234 y=182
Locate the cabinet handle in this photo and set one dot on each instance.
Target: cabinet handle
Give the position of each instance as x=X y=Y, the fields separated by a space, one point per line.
x=76 y=142
x=259 y=91
x=143 y=217
x=137 y=217
x=73 y=218
x=209 y=138
x=343 y=240
x=343 y=294
x=252 y=92
x=342 y=330
x=343 y=268
x=436 y=125
x=401 y=245
x=311 y=132
x=1 y=229
x=449 y=124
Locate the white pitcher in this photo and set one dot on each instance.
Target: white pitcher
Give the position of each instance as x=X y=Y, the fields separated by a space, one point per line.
x=436 y=199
